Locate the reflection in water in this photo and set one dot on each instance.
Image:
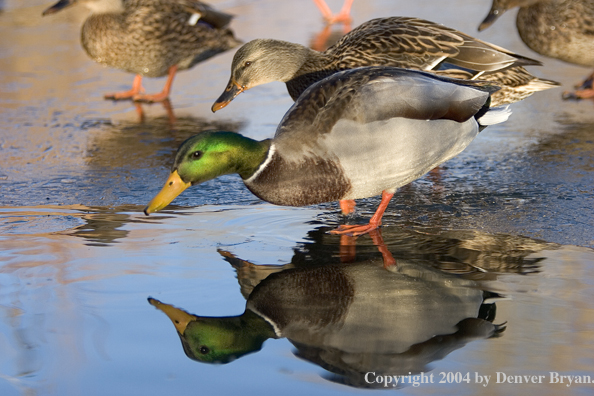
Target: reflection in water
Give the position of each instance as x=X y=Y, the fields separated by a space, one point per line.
x=353 y=318
x=102 y=227
x=348 y=318
x=573 y=149
x=327 y=37
x=148 y=144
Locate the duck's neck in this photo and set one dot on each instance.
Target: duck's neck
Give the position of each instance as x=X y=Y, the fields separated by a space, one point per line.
x=252 y=155
x=313 y=67
x=314 y=61
x=292 y=60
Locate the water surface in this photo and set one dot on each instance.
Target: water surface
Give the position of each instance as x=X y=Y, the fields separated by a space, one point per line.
x=493 y=254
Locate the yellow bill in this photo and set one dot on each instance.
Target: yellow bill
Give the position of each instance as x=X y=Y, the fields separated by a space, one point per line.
x=172 y=188
x=179 y=317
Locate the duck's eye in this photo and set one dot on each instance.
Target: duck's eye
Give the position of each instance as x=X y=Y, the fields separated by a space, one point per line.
x=204 y=350
x=197 y=154
x=247 y=63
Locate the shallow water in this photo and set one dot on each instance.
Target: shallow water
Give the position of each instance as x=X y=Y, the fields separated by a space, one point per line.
x=493 y=254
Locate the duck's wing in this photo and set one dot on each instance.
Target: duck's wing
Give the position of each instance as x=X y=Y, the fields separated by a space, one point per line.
x=180 y=15
x=373 y=94
x=415 y=43
x=382 y=127
x=215 y=18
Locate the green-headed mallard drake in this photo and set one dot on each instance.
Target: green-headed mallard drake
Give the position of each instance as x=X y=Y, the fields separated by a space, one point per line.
x=561 y=29
x=151 y=38
x=409 y=43
x=348 y=318
x=356 y=134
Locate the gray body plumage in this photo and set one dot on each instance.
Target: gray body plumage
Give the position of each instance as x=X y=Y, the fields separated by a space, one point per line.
x=333 y=306
x=368 y=130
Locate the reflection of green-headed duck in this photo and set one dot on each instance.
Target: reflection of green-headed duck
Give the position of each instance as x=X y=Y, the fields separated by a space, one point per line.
x=151 y=38
x=360 y=314
x=410 y=43
x=217 y=340
x=356 y=134
x=561 y=29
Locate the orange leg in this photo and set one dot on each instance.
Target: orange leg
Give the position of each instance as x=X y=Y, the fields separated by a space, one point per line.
x=140 y=112
x=378 y=241
x=160 y=96
x=348 y=248
x=170 y=114
x=136 y=89
x=343 y=16
x=374 y=222
x=347 y=206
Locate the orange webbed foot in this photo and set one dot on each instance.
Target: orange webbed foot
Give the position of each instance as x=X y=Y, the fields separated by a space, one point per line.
x=135 y=90
x=585 y=90
x=354 y=230
x=152 y=98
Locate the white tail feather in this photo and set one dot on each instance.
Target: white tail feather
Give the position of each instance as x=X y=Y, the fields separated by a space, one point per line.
x=495 y=115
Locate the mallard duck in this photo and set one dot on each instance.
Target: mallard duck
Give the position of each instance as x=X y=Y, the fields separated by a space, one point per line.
x=151 y=38
x=356 y=134
x=409 y=43
x=349 y=318
x=561 y=29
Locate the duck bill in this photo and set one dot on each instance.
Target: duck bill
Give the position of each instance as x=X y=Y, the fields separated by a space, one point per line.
x=180 y=318
x=232 y=90
x=60 y=5
x=172 y=188
x=490 y=19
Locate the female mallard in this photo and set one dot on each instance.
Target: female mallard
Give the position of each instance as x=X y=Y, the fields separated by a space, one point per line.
x=151 y=38
x=561 y=29
x=409 y=43
x=356 y=134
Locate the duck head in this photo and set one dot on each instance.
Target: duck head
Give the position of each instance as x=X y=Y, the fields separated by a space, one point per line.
x=217 y=340
x=499 y=7
x=206 y=156
x=259 y=62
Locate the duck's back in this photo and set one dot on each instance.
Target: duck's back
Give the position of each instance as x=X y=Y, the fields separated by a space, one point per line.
x=366 y=130
x=150 y=36
x=562 y=29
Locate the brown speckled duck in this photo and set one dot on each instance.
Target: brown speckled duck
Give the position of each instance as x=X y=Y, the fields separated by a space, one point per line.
x=561 y=29
x=151 y=38
x=409 y=43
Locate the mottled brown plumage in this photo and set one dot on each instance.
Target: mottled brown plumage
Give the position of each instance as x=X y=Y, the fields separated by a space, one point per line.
x=152 y=38
x=561 y=29
x=410 y=43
